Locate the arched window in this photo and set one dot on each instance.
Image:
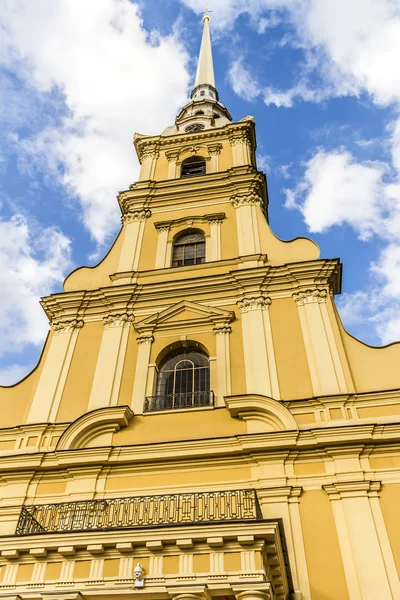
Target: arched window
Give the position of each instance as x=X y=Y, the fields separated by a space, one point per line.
x=189 y=249
x=183 y=381
x=193 y=166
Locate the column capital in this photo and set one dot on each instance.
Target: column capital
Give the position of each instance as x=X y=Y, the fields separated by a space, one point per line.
x=214 y=149
x=352 y=489
x=240 y=137
x=67 y=326
x=149 y=153
x=135 y=215
x=310 y=296
x=246 y=199
x=172 y=155
x=257 y=594
x=120 y=320
x=145 y=339
x=254 y=303
x=222 y=330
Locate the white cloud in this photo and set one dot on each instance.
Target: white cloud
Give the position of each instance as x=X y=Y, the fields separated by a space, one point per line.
x=11 y=374
x=336 y=189
x=33 y=261
x=115 y=79
x=242 y=82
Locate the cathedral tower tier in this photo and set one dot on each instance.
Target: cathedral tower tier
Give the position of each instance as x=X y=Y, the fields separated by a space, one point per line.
x=200 y=425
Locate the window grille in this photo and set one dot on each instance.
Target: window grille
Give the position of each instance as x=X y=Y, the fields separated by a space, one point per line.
x=183 y=381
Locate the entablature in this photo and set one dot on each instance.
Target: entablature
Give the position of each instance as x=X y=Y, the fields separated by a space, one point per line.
x=215 y=187
x=216 y=282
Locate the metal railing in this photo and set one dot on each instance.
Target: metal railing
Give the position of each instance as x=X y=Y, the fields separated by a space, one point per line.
x=140 y=511
x=176 y=401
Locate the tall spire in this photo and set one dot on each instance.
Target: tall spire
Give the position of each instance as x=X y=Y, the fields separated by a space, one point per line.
x=205 y=67
x=204 y=84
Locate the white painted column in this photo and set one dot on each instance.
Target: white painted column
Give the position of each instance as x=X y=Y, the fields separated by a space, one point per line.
x=283 y=503
x=213 y=247
x=47 y=398
x=148 y=160
x=126 y=568
x=141 y=373
x=364 y=566
x=96 y=570
x=223 y=370
x=162 y=244
x=172 y=157
x=214 y=150
x=67 y=571
x=247 y=223
x=110 y=362
x=241 y=149
x=258 y=347
x=327 y=374
x=134 y=224
x=185 y=565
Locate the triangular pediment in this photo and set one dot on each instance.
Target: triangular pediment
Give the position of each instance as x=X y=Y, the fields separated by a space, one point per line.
x=185 y=314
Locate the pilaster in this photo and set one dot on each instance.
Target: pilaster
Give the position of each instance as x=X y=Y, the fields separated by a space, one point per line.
x=162 y=245
x=366 y=571
x=326 y=370
x=148 y=159
x=246 y=205
x=259 y=355
x=134 y=224
x=110 y=362
x=141 y=373
x=47 y=398
x=241 y=148
x=213 y=248
x=214 y=151
x=223 y=387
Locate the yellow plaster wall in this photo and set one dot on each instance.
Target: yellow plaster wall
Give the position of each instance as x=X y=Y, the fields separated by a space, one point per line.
x=128 y=372
x=232 y=561
x=75 y=398
x=161 y=170
x=229 y=237
x=171 y=565
x=111 y=567
x=324 y=562
x=279 y=251
x=372 y=368
x=181 y=477
x=16 y=400
x=82 y=569
x=291 y=360
x=91 y=278
x=238 y=374
x=53 y=571
x=390 y=502
x=201 y=563
x=47 y=487
x=147 y=257
x=190 y=425
x=25 y=572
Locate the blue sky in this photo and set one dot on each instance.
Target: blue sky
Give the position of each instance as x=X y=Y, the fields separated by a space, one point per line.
x=79 y=78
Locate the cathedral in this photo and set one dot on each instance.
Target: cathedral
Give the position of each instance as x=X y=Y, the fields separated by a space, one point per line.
x=200 y=426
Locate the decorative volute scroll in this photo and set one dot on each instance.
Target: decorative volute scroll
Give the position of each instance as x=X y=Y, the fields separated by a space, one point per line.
x=95 y=428
x=261 y=413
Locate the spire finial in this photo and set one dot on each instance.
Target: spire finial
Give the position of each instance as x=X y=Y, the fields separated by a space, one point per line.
x=206 y=13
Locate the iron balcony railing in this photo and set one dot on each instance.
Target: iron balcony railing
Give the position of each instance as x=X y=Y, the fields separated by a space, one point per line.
x=176 y=401
x=141 y=511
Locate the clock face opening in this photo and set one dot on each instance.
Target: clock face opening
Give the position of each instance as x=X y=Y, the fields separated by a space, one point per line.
x=194 y=127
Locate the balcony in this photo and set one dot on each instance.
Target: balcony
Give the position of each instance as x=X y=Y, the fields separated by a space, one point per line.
x=179 y=401
x=140 y=511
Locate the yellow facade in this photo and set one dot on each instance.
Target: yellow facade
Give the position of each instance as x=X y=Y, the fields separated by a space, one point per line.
x=285 y=485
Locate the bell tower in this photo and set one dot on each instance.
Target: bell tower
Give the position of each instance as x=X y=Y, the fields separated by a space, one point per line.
x=200 y=426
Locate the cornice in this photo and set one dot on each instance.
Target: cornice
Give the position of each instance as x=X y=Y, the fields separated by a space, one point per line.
x=160 y=287
x=145 y=143
x=210 y=449
x=221 y=186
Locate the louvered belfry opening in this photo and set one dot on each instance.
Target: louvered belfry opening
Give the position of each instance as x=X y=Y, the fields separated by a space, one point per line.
x=193 y=166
